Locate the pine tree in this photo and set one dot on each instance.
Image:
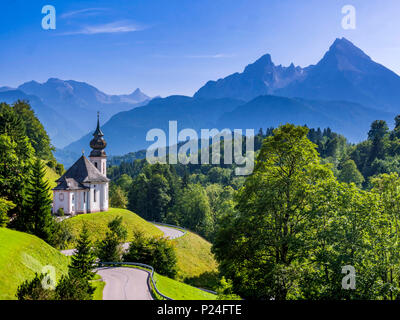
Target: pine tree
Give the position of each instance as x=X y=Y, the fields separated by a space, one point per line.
x=5 y=206
x=84 y=258
x=36 y=217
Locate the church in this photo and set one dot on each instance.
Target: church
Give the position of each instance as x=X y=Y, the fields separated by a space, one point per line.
x=84 y=186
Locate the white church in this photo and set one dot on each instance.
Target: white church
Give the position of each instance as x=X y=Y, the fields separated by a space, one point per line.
x=84 y=187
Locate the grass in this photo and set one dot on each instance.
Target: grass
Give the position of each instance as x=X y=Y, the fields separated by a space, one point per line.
x=97 y=224
x=196 y=263
x=51 y=176
x=99 y=286
x=180 y=291
x=21 y=255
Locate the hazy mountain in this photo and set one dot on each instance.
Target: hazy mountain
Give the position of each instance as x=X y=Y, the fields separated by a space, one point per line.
x=347 y=118
x=61 y=130
x=126 y=131
x=79 y=101
x=344 y=73
x=347 y=73
x=260 y=78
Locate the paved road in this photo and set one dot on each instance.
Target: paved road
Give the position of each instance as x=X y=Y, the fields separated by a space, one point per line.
x=170 y=233
x=128 y=283
x=125 y=284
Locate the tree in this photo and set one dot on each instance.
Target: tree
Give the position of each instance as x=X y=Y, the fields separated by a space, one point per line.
x=153 y=192
x=125 y=182
x=73 y=287
x=110 y=249
x=192 y=210
x=36 y=217
x=157 y=252
x=34 y=130
x=118 y=198
x=34 y=290
x=261 y=248
x=349 y=173
x=5 y=206
x=377 y=135
x=83 y=260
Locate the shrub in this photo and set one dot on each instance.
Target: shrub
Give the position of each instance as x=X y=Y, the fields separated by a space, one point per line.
x=157 y=252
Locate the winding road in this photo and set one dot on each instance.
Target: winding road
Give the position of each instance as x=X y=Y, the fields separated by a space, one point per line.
x=129 y=283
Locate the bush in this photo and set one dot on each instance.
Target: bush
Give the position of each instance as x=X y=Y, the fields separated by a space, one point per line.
x=74 y=288
x=34 y=290
x=62 y=236
x=110 y=249
x=60 y=212
x=157 y=252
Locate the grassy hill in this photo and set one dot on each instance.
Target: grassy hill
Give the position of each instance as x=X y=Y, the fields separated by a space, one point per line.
x=196 y=263
x=180 y=291
x=51 y=177
x=97 y=224
x=21 y=255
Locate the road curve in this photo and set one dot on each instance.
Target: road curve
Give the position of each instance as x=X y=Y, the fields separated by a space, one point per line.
x=125 y=284
x=170 y=233
x=128 y=283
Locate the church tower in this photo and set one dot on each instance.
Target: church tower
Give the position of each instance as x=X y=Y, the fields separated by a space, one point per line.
x=98 y=156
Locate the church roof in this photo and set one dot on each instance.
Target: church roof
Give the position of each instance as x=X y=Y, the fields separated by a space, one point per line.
x=82 y=171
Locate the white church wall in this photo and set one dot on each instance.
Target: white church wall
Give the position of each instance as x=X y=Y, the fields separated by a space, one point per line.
x=61 y=200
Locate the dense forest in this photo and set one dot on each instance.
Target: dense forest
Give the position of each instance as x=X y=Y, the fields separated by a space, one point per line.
x=25 y=149
x=314 y=204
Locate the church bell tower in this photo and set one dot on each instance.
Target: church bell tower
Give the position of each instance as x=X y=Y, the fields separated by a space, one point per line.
x=98 y=156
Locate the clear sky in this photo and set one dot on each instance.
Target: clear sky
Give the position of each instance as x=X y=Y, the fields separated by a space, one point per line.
x=174 y=46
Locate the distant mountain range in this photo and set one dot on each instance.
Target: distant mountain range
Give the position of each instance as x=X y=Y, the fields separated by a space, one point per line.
x=346 y=90
x=344 y=73
x=68 y=108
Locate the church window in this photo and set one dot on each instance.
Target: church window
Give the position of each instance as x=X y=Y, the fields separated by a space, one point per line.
x=61 y=197
x=94 y=194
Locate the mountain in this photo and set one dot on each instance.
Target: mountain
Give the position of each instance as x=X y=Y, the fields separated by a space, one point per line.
x=126 y=131
x=260 y=78
x=79 y=101
x=68 y=109
x=60 y=130
x=347 y=73
x=344 y=73
x=350 y=119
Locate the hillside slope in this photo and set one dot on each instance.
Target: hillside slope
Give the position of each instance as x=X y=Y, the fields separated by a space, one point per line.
x=197 y=265
x=97 y=224
x=21 y=255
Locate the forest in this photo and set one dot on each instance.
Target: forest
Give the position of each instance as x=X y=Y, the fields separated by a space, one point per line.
x=314 y=204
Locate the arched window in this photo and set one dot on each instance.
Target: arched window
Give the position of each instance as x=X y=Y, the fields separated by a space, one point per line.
x=94 y=194
x=61 y=197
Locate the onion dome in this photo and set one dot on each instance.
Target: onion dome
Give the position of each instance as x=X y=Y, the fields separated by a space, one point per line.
x=98 y=143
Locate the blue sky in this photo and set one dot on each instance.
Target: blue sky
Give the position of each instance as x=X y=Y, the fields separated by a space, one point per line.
x=175 y=46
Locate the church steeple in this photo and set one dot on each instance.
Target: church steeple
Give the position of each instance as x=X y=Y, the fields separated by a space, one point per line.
x=98 y=131
x=98 y=144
